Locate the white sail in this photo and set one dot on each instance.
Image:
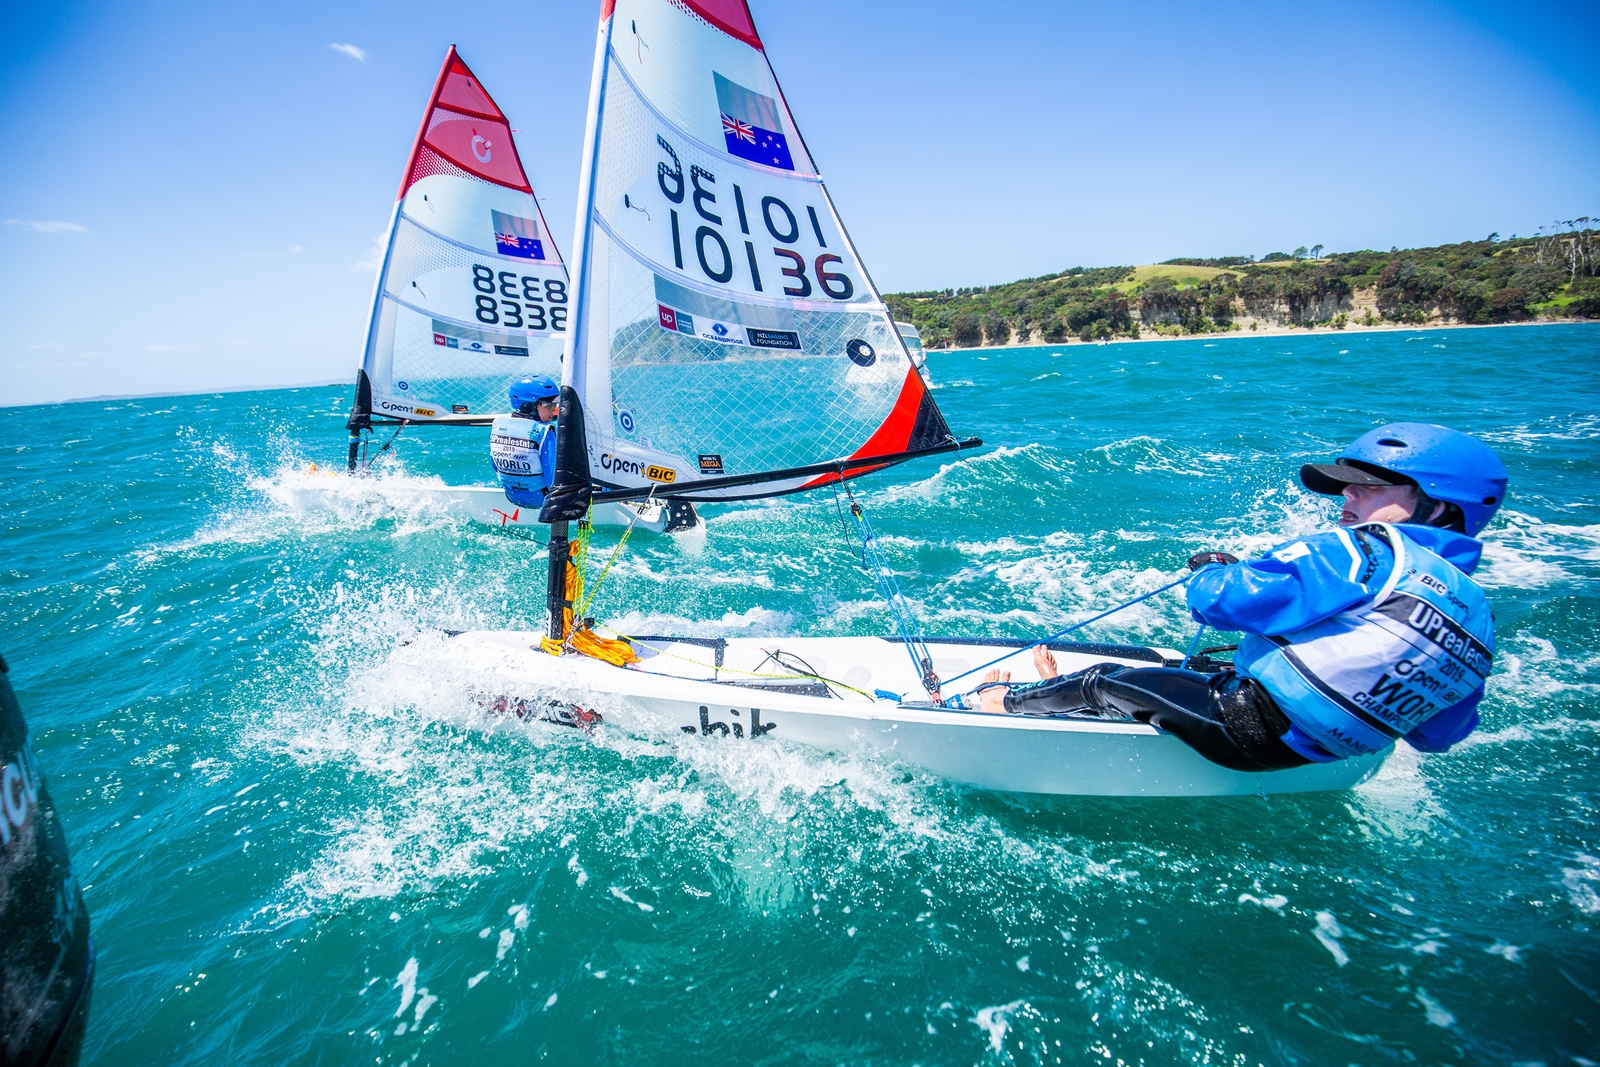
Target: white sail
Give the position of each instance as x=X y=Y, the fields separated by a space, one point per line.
x=472 y=292
x=724 y=326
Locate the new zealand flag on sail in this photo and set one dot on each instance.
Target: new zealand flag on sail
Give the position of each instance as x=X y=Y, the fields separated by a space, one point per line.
x=750 y=125
x=516 y=236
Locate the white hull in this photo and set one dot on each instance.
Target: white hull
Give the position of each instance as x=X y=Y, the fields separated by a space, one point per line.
x=482 y=503
x=678 y=688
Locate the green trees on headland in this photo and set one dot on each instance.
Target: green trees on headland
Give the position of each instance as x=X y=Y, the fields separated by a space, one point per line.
x=1551 y=275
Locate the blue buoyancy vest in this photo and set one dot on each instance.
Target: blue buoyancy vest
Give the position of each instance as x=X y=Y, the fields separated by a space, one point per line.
x=523 y=452
x=1355 y=682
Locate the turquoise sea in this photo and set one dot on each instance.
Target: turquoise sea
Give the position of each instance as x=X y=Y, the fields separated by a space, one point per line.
x=299 y=846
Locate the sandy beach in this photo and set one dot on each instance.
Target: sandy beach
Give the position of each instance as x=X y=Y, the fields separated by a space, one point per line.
x=1272 y=331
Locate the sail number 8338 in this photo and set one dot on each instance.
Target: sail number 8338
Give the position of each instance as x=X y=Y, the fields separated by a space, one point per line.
x=520 y=302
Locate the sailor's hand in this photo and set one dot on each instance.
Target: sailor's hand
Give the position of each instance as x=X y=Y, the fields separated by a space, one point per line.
x=1045 y=663
x=993 y=699
x=1201 y=559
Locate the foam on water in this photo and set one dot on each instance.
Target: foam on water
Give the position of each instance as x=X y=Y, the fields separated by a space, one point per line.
x=277 y=772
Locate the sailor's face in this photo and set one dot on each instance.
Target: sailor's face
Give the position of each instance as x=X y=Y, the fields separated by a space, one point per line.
x=1378 y=503
x=546 y=410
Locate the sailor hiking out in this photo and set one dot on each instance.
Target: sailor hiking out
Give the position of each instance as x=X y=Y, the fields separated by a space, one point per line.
x=522 y=444
x=1353 y=638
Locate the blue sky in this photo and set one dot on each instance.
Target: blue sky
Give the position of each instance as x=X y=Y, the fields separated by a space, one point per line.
x=192 y=191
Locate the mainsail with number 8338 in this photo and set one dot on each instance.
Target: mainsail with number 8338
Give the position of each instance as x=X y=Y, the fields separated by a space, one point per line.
x=472 y=292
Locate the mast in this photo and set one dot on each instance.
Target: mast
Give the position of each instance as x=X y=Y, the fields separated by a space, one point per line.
x=726 y=342
x=569 y=496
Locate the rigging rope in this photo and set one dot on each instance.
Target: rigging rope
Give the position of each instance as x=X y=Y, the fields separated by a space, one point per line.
x=1070 y=629
x=899 y=609
x=738 y=670
x=579 y=636
x=365 y=462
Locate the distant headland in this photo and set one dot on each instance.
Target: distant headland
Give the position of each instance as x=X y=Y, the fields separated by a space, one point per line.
x=1552 y=276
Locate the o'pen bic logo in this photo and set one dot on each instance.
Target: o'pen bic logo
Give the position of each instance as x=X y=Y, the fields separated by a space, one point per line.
x=488 y=148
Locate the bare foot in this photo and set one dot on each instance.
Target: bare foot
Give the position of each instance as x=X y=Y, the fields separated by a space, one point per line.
x=993 y=699
x=1045 y=663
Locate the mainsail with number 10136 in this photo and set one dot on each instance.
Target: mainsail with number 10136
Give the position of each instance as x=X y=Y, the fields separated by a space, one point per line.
x=726 y=341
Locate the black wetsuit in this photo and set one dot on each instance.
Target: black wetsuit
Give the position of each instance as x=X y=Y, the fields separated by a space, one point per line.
x=1227 y=718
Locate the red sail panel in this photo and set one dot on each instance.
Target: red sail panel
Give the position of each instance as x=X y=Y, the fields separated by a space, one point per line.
x=894 y=435
x=461 y=90
x=478 y=146
x=464 y=132
x=732 y=17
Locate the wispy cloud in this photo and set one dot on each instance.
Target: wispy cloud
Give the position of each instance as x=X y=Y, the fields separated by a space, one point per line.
x=160 y=348
x=237 y=343
x=374 y=258
x=295 y=250
x=40 y=226
x=357 y=54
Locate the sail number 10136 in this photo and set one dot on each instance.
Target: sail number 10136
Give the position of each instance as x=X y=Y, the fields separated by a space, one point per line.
x=521 y=302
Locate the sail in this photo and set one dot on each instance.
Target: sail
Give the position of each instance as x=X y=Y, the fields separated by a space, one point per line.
x=727 y=341
x=472 y=292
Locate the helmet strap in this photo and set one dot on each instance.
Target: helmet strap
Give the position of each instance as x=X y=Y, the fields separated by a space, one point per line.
x=1449 y=515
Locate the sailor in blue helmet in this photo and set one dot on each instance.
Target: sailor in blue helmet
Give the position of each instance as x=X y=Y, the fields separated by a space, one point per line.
x=1353 y=638
x=522 y=444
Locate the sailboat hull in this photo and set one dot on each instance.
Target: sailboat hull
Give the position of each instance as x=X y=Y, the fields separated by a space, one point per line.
x=679 y=688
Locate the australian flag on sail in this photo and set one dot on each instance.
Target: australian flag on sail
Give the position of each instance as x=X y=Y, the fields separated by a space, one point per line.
x=516 y=236
x=750 y=125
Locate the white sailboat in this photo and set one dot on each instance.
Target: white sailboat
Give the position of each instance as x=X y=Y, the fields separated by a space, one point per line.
x=471 y=295
x=727 y=341
x=911 y=337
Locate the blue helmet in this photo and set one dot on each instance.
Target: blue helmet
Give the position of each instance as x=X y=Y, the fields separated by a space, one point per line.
x=1445 y=465
x=529 y=389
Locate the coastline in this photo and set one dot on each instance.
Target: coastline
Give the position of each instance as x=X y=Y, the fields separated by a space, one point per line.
x=1273 y=331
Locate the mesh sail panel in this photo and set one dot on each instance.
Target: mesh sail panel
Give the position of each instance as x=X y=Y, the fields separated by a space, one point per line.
x=730 y=328
x=472 y=292
x=450 y=339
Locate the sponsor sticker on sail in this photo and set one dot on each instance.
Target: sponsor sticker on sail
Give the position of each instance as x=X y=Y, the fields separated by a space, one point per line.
x=517 y=236
x=676 y=320
x=728 y=333
x=448 y=335
x=751 y=128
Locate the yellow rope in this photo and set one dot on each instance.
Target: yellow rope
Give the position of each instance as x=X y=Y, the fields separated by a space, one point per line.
x=619 y=651
x=584 y=610
x=575 y=636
